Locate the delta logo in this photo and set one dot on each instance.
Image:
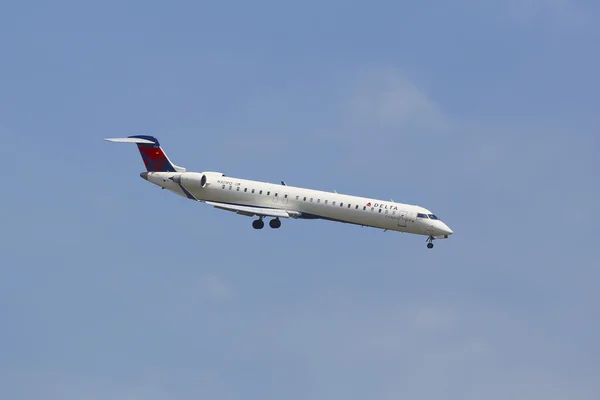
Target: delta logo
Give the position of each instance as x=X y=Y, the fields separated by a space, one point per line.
x=382 y=205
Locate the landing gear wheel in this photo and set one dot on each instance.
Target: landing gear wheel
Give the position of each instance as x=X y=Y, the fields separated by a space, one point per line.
x=258 y=224
x=275 y=223
x=430 y=242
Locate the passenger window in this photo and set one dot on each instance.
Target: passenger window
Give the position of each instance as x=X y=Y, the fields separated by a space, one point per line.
x=372 y=208
x=229 y=187
x=252 y=190
x=364 y=208
x=223 y=186
x=318 y=200
x=304 y=198
x=297 y=197
x=386 y=211
x=341 y=204
x=357 y=206
x=238 y=188
x=393 y=212
x=275 y=194
x=333 y=203
x=380 y=211
x=326 y=201
x=260 y=192
x=245 y=190
x=285 y=196
x=311 y=199
x=349 y=205
x=269 y=193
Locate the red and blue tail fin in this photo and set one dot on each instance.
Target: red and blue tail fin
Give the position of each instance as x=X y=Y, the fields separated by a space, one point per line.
x=152 y=154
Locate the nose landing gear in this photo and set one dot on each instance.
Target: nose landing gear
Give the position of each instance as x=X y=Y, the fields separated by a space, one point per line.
x=430 y=242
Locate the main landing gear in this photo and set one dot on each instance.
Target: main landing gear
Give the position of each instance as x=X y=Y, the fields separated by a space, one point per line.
x=259 y=223
x=430 y=242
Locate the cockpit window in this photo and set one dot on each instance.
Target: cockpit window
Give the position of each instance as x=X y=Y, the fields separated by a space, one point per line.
x=422 y=216
x=432 y=216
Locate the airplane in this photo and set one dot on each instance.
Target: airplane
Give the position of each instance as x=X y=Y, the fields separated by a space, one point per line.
x=276 y=201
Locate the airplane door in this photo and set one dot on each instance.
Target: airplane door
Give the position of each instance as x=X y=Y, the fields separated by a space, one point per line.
x=285 y=198
x=402 y=217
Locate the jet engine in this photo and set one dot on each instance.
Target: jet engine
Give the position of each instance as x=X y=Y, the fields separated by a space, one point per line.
x=197 y=180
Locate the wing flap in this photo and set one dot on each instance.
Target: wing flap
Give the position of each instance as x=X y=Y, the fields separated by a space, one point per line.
x=251 y=211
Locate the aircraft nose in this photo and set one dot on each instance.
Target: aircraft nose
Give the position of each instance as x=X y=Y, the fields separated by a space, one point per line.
x=144 y=175
x=446 y=229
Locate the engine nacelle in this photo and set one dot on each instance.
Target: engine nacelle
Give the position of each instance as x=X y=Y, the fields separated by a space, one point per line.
x=197 y=180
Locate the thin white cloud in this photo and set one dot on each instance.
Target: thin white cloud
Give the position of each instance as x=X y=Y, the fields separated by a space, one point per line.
x=380 y=104
x=385 y=98
x=216 y=288
x=530 y=9
x=571 y=14
x=434 y=318
x=420 y=349
x=147 y=383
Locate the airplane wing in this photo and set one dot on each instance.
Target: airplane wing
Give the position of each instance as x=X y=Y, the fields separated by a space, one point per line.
x=251 y=211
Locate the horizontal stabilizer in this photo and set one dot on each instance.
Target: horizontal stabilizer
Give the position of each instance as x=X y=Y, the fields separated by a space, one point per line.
x=130 y=140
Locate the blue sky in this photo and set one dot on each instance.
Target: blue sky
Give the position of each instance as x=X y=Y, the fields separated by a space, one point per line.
x=484 y=112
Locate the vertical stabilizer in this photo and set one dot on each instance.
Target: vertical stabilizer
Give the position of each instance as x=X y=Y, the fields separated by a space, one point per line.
x=155 y=159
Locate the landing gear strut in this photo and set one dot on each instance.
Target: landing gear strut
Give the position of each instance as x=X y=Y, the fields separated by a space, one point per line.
x=258 y=223
x=430 y=242
x=275 y=223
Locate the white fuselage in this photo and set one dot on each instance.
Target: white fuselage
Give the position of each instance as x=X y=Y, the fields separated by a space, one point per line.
x=302 y=203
